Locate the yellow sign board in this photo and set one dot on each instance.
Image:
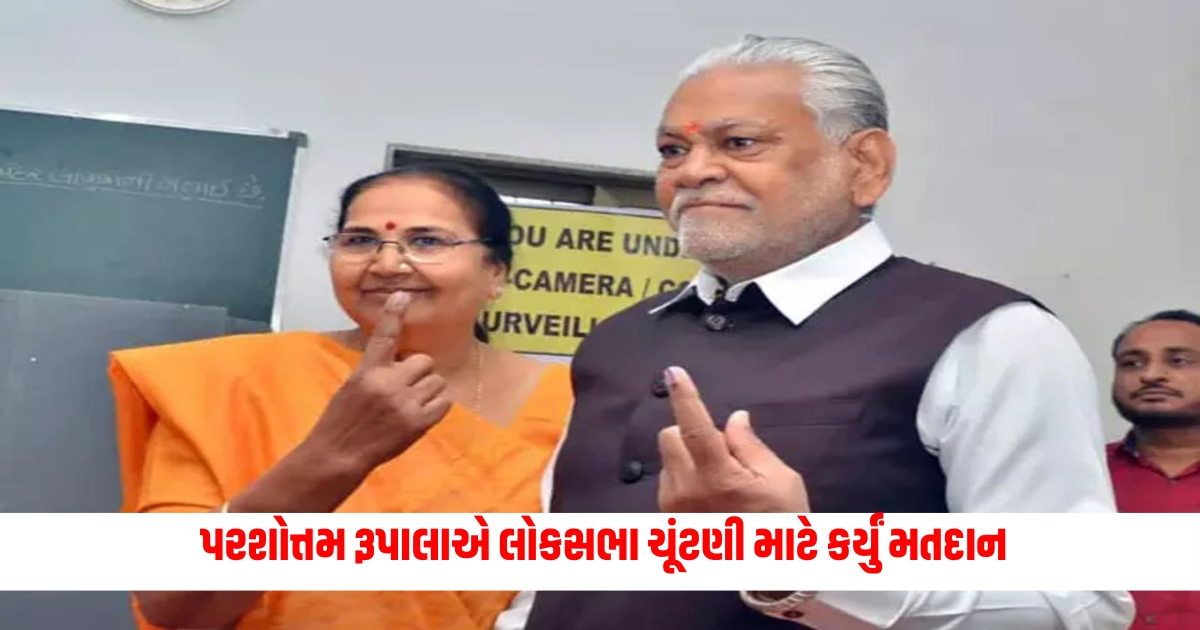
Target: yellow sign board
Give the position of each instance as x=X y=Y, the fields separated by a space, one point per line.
x=573 y=268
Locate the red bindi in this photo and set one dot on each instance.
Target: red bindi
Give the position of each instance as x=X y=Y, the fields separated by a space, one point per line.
x=389 y=225
x=692 y=127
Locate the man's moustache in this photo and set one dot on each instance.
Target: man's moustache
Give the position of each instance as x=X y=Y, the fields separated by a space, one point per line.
x=687 y=199
x=1157 y=390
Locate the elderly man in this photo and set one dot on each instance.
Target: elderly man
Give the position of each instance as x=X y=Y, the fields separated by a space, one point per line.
x=1156 y=468
x=872 y=382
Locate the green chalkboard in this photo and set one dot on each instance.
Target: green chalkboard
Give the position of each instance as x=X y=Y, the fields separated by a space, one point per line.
x=93 y=206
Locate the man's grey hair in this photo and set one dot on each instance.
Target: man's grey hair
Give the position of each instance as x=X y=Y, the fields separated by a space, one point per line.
x=838 y=87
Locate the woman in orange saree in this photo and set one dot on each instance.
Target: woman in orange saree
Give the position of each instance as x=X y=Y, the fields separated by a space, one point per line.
x=410 y=411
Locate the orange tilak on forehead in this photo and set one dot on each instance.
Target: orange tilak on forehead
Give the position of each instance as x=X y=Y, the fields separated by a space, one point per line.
x=692 y=127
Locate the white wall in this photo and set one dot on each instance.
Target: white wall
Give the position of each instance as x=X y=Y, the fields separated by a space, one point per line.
x=1043 y=144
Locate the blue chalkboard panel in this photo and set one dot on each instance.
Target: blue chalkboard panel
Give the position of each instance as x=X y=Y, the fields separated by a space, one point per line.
x=131 y=210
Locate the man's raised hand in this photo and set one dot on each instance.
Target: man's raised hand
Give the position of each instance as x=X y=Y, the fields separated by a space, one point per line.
x=707 y=470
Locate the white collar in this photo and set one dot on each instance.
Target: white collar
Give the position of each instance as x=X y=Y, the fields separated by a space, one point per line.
x=799 y=289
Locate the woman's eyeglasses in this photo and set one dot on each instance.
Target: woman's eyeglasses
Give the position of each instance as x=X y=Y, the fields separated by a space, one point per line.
x=421 y=248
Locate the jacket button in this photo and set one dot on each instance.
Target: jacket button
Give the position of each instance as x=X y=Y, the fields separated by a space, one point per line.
x=632 y=471
x=716 y=322
x=659 y=386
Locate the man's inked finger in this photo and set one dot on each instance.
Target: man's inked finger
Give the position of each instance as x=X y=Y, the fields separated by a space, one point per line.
x=381 y=346
x=703 y=440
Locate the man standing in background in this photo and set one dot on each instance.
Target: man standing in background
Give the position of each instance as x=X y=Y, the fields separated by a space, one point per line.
x=1156 y=468
x=872 y=382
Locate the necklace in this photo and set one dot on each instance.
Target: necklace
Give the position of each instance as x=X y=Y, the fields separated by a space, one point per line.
x=478 y=378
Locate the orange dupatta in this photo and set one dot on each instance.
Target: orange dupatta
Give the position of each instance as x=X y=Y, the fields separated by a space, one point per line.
x=197 y=422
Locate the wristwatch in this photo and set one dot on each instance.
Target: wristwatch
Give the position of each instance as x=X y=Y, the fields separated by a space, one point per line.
x=803 y=607
x=790 y=606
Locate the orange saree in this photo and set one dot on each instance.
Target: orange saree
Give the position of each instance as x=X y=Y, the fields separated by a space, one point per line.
x=198 y=422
